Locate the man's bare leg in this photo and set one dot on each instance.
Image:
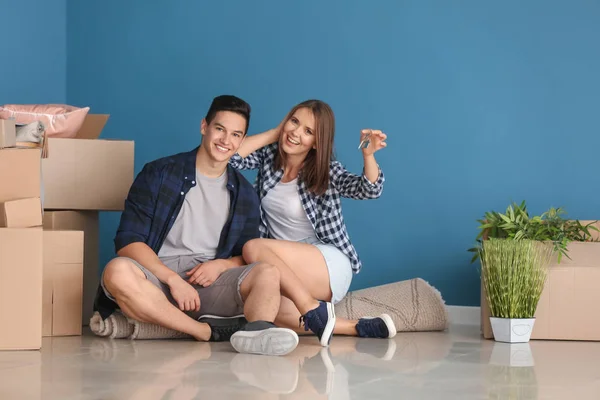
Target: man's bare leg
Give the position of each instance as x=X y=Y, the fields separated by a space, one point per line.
x=261 y=293
x=141 y=300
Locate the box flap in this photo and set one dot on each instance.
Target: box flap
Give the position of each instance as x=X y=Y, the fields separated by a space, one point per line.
x=92 y=126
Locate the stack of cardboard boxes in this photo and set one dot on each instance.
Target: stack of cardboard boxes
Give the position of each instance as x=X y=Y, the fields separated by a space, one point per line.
x=49 y=208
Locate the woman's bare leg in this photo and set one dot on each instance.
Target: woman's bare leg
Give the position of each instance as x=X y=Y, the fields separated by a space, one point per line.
x=304 y=260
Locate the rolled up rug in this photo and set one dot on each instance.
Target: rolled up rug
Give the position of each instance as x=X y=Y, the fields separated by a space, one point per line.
x=414 y=305
x=115 y=327
x=146 y=331
x=118 y=326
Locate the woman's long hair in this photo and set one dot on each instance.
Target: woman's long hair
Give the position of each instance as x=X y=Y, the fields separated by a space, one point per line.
x=315 y=170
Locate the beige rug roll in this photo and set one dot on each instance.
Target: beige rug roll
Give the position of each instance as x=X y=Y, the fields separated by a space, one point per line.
x=117 y=326
x=414 y=305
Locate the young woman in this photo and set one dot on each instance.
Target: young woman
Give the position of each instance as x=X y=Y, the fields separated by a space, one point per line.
x=300 y=187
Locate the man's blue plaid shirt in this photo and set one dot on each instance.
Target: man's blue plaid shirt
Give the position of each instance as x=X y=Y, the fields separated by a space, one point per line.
x=155 y=199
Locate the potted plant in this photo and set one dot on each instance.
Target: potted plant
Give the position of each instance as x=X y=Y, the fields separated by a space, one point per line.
x=550 y=229
x=513 y=274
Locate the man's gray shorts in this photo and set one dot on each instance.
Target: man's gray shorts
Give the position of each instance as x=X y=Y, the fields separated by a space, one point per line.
x=222 y=298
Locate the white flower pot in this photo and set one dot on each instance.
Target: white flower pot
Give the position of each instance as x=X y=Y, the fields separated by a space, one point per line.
x=512 y=330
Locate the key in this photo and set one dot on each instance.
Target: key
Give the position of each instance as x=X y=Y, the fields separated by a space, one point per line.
x=365 y=142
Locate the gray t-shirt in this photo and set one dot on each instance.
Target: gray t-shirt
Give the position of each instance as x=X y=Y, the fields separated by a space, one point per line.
x=198 y=226
x=286 y=218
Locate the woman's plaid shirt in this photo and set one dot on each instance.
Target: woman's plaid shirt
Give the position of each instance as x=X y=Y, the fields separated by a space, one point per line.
x=325 y=211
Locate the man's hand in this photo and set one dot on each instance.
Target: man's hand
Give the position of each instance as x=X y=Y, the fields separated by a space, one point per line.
x=184 y=294
x=206 y=274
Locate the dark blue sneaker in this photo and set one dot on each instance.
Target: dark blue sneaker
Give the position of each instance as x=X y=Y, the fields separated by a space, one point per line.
x=321 y=322
x=380 y=327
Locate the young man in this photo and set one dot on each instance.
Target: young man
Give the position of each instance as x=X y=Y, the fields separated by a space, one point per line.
x=180 y=241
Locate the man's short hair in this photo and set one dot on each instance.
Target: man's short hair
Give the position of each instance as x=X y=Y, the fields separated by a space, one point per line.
x=229 y=103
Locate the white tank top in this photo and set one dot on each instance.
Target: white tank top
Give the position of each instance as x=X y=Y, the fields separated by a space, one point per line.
x=285 y=216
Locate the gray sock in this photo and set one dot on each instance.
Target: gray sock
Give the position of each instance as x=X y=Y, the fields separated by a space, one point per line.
x=259 y=326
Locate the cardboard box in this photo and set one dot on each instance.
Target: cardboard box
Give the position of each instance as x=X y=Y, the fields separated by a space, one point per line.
x=24 y=213
x=21 y=288
x=570 y=300
x=86 y=173
x=86 y=221
x=63 y=283
x=20 y=174
x=8 y=133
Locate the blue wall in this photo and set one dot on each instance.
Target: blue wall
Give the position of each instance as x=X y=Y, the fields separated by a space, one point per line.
x=33 y=54
x=483 y=104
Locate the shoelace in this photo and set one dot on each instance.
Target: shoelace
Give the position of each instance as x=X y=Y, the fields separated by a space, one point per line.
x=302 y=320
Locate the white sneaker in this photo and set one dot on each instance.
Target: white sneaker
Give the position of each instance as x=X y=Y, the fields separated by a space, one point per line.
x=264 y=338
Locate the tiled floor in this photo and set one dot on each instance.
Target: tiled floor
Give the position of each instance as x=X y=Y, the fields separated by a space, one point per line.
x=451 y=365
